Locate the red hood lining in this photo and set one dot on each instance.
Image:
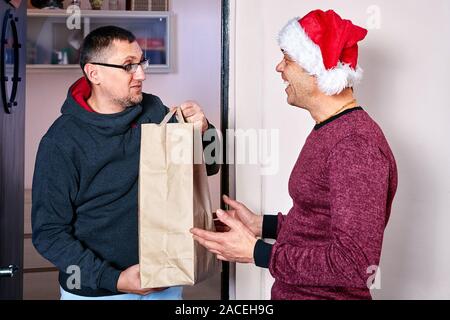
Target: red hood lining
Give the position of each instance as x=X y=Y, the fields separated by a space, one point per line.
x=81 y=91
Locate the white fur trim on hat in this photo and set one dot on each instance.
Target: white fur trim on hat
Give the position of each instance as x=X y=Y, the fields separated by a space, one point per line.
x=297 y=44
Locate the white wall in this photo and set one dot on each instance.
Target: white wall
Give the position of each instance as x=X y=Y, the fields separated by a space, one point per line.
x=405 y=90
x=197 y=50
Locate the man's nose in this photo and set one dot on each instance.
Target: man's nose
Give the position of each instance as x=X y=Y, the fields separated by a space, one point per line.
x=279 y=67
x=139 y=74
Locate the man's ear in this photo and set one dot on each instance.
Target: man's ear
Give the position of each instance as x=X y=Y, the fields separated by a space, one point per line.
x=91 y=72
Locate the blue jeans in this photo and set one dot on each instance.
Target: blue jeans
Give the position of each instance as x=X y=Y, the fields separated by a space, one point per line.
x=173 y=293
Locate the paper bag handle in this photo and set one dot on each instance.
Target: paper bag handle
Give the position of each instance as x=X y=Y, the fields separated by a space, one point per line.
x=168 y=116
x=180 y=116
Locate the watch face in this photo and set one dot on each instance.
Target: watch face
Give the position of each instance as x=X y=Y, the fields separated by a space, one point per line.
x=15 y=3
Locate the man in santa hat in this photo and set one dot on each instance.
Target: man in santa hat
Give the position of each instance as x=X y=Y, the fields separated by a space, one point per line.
x=342 y=186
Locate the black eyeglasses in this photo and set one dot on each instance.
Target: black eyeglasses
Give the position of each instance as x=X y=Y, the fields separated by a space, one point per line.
x=129 y=68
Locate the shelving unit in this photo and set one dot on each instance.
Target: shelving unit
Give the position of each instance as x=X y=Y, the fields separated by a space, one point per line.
x=54 y=36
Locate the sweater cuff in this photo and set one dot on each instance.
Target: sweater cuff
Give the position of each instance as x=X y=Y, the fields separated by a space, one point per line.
x=262 y=253
x=109 y=278
x=210 y=126
x=269 y=227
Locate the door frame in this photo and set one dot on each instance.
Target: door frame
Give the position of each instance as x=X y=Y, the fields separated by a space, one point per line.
x=227 y=178
x=241 y=109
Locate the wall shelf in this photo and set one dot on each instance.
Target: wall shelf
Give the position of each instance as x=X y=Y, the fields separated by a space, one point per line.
x=54 y=36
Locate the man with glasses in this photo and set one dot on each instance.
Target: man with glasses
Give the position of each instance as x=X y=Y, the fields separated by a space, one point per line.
x=84 y=212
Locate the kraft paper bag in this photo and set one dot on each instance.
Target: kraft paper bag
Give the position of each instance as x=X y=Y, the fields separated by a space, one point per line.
x=173 y=198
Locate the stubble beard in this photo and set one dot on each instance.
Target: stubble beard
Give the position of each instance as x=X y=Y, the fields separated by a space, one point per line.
x=129 y=101
x=300 y=96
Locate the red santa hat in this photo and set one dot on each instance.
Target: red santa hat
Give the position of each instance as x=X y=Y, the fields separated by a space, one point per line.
x=326 y=46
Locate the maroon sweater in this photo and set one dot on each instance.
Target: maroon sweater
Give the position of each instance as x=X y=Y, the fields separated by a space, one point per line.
x=342 y=188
